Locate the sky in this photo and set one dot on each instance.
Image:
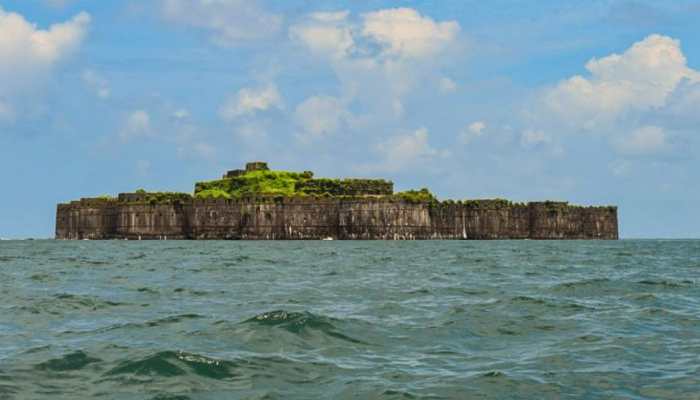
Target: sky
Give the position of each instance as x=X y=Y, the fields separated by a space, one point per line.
x=594 y=102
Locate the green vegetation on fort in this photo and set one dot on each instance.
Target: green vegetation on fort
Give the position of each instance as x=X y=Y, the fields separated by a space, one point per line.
x=271 y=183
x=288 y=184
x=417 y=196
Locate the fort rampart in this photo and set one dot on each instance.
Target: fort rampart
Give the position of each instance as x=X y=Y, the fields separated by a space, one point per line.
x=318 y=217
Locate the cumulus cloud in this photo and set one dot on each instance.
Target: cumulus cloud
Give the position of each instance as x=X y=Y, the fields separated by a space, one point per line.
x=681 y=109
x=23 y=46
x=249 y=101
x=472 y=131
x=379 y=58
x=97 y=83
x=326 y=34
x=137 y=124
x=641 y=78
x=634 y=99
x=28 y=53
x=230 y=22
x=404 y=32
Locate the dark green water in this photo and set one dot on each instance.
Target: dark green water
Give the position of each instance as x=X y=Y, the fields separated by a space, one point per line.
x=345 y=320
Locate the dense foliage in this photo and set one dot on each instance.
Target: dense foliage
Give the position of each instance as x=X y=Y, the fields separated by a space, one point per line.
x=417 y=196
x=284 y=183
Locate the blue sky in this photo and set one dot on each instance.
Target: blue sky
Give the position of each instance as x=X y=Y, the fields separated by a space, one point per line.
x=593 y=102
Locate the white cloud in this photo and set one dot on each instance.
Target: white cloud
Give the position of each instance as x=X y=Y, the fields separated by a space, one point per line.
x=635 y=98
x=231 y=22
x=447 y=85
x=28 y=53
x=642 y=78
x=379 y=58
x=404 y=32
x=531 y=138
x=405 y=150
x=643 y=141
x=97 y=83
x=320 y=116
x=137 y=123
x=23 y=46
x=326 y=34
x=249 y=101
x=398 y=33
x=472 y=131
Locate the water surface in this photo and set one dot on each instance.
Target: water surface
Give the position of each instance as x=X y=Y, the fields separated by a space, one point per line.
x=350 y=320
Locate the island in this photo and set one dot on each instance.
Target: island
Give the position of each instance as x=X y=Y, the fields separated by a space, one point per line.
x=257 y=203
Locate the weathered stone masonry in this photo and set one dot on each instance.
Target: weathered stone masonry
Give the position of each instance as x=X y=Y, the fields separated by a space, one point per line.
x=320 y=217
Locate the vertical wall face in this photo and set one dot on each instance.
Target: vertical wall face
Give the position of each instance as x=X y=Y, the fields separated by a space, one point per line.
x=142 y=221
x=383 y=219
x=317 y=218
x=112 y=220
x=85 y=220
x=557 y=221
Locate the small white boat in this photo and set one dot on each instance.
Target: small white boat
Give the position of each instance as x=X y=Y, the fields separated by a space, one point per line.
x=328 y=238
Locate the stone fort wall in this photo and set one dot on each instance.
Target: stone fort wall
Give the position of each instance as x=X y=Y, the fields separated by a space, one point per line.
x=299 y=218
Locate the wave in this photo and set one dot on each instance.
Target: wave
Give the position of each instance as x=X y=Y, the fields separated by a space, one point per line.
x=299 y=323
x=171 y=363
x=176 y=364
x=69 y=362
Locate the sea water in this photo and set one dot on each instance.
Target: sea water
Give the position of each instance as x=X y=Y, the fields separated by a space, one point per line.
x=350 y=320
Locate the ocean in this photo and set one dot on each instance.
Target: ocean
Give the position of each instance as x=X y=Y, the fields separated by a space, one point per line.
x=350 y=320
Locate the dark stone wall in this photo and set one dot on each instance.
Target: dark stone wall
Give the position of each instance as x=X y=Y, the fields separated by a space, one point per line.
x=318 y=218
